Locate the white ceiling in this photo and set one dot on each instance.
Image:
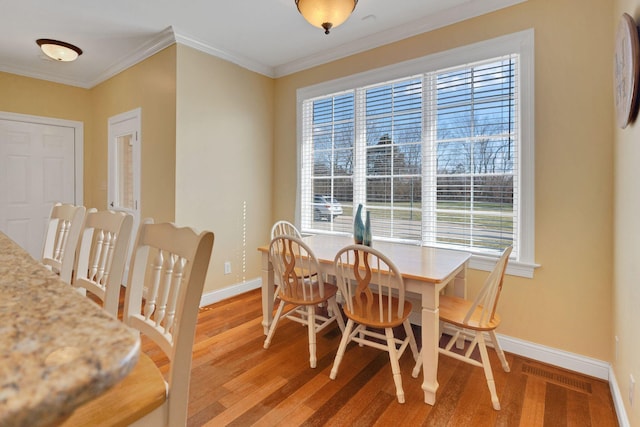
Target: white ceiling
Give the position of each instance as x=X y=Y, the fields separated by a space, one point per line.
x=266 y=36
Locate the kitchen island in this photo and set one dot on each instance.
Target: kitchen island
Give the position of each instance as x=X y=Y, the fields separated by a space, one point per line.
x=58 y=349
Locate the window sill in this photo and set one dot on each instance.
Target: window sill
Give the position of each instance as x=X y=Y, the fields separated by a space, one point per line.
x=514 y=268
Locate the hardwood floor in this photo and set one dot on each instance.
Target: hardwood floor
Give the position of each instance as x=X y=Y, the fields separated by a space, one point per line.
x=236 y=382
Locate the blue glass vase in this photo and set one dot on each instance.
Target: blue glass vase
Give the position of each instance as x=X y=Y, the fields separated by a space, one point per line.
x=366 y=238
x=358 y=226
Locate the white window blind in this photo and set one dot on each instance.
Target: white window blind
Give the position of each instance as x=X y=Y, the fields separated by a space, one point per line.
x=474 y=149
x=434 y=157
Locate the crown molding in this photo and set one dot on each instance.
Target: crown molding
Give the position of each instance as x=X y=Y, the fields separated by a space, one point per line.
x=163 y=40
x=44 y=76
x=240 y=60
x=447 y=17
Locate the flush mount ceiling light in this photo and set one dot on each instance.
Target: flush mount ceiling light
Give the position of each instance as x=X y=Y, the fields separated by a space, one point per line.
x=60 y=51
x=326 y=14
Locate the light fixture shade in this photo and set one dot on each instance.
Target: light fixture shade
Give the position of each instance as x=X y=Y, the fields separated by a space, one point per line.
x=326 y=14
x=60 y=51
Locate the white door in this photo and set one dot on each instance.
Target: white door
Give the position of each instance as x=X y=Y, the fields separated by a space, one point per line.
x=124 y=166
x=38 y=167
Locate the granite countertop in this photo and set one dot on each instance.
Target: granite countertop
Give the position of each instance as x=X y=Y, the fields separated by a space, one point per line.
x=58 y=349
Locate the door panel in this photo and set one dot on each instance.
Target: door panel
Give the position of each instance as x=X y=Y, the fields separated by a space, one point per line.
x=37 y=168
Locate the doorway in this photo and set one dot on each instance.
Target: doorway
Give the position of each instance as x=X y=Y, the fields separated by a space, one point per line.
x=123 y=192
x=40 y=164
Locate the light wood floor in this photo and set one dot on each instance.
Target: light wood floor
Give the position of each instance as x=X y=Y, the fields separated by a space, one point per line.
x=236 y=382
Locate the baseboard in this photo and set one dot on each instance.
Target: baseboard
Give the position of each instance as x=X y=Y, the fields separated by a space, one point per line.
x=618 y=401
x=230 y=291
x=563 y=359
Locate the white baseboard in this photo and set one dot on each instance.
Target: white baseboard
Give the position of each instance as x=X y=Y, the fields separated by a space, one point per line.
x=563 y=359
x=230 y=291
x=618 y=402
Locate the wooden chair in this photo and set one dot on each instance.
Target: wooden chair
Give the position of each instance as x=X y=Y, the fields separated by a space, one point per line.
x=61 y=240
x=102 y=256
x=373 y=290
x=166 y=278
x=303 y=285
x=477 y=317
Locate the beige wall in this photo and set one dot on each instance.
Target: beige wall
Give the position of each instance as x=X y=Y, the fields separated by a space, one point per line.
x=223 y=160
x=626 y=284
x=567 y=305
x=150 y=85
x=25 y=95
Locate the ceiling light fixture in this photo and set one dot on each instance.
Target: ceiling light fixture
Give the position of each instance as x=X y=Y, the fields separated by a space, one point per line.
x=326 y=14
x=60 y=51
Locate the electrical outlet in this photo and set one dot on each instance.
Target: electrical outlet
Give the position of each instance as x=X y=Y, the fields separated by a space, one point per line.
x=227 y=267
x=632 y=386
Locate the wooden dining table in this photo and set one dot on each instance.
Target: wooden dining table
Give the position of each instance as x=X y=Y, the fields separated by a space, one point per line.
x=426 y=271
x=58 y=349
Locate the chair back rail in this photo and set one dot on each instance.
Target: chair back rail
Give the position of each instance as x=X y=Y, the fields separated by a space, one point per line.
x=61 y=239
x=487 y=298
x=368 y=279
x=296 y=266
x=102 y=255
x=284 y=228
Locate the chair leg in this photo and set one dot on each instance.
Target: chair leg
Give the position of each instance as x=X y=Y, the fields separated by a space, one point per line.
x=336 y=312
x=311 y=325
x=501 y=356
x=395 y=366
x=418 y=366
x=412 y=339
x=486 y=365
x=341 y=349
x=361 y=335
x=274 y=325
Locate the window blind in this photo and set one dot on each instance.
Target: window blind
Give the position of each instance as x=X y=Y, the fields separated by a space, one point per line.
x=432 y=157
x=472 y=115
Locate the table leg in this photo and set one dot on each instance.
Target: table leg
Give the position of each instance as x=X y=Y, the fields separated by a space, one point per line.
x=430 y=338
x=267 y=292
x=460 y=290
x=460 y=283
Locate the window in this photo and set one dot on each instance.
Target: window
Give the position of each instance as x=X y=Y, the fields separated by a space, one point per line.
x=438 y=150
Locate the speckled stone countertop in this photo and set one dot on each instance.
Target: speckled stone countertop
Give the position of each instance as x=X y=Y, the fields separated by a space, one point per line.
x=58 y=349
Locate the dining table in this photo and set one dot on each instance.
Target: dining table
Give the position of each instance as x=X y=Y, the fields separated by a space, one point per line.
x=426 y=271
x=58 y=348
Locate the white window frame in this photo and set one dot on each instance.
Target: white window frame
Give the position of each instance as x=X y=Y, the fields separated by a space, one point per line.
x=521 y=43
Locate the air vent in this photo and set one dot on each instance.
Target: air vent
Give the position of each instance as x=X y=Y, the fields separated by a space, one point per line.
x=558 y=379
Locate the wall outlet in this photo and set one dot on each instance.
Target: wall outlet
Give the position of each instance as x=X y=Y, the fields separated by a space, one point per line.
x=632 y=386
x=227 y=267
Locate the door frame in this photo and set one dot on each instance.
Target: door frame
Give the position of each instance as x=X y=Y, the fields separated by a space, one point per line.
x=136 y=116
x=78 y=141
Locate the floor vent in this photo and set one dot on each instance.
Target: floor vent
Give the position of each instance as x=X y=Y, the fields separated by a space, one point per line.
x=559 y=379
